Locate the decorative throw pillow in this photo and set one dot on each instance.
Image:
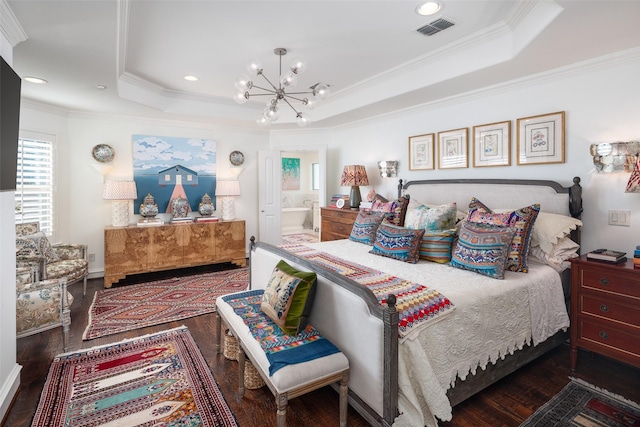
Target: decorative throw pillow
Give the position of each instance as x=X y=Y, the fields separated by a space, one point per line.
x=550 y=228
x=436 y=246
x=288 y=297
x=522 y=220
x=482 y=248
x=395 y=210
x=365 y=227
x=397 y=242
x=35 y=245
x=434 y=218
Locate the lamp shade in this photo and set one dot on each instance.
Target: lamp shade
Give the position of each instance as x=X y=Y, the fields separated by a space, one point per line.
x=228 y=188
x=354 y=175
x=633 y=186
x=120 y=190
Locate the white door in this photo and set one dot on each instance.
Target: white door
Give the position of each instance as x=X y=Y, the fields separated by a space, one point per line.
x=269 y=181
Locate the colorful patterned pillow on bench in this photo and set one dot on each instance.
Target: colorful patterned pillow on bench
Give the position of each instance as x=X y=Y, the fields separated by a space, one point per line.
x=288 y=297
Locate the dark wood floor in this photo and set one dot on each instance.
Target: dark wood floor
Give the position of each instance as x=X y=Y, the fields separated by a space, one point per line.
x=506 y=403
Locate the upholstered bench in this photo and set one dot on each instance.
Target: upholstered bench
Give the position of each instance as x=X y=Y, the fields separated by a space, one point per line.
x=290 y=381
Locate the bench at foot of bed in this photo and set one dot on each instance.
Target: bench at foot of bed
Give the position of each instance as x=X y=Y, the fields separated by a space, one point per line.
x=291 y=380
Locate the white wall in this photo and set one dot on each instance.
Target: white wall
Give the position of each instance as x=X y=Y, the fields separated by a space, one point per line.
x=600 y=100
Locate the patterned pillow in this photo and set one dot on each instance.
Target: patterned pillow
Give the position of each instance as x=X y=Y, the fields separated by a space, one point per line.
x=399 y=243
x=522 y=220
x=395 y=210
x=35 y=245
x=365 y=227
x=482 y=248
x=288 y=298
x=434 y=218
x=436 y=246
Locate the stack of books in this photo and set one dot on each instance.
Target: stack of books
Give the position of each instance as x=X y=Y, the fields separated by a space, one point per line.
x=181 y=220
x=207 y=219
x=336 y=197
x=636 y=257
x=607 y=255
x=150 y=222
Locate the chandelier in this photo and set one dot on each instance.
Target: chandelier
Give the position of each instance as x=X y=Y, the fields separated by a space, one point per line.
x=279 y=94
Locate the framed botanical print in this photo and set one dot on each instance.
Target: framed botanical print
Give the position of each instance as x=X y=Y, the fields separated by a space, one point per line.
x=452 y=149
x=541 y=139
x=491 y=144
x=421 y=152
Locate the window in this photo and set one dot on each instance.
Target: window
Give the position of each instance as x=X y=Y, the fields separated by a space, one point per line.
x=35 y=181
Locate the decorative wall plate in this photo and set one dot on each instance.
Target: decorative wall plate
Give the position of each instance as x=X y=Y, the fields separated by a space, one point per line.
x=103 y=153
x=236 y=158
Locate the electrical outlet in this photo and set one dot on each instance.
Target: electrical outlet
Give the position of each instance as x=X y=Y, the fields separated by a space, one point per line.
x=91 y=257
x=620 y=217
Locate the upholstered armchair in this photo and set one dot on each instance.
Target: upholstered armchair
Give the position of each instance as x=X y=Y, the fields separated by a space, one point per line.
x=41 y=305
x=59 y=261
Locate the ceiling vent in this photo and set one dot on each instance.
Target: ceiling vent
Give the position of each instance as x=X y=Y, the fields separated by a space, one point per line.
x=435 y=27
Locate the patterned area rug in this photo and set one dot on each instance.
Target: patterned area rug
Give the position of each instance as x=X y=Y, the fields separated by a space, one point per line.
x=137 y=306
x=583 y=405
x=292 y=239
x=159 y=380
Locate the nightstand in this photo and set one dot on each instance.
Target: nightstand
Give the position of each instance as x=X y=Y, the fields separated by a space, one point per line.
x=605 y=310
x=336 y=224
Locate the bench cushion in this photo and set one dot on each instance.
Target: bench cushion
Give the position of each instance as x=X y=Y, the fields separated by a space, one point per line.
x=291 y=376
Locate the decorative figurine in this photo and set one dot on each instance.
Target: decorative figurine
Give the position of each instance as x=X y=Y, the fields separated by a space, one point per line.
x=206 y=207
x=148 y=208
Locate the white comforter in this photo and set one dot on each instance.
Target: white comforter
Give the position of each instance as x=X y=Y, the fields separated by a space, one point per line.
x=492 y=318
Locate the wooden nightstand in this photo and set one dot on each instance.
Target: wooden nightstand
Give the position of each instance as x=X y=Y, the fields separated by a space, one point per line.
x=336 y=224
x=605 y=310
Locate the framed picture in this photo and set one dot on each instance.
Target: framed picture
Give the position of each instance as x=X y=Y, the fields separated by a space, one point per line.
x=541 y=139
x=452 y=149
x=421 y=152
x=492 y=144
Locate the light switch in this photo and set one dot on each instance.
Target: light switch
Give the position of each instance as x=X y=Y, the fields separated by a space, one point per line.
x=620 y=217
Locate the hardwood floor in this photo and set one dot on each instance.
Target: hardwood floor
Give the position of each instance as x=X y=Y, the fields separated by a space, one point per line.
x=507 y=403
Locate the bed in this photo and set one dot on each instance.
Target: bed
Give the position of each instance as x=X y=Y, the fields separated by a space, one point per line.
x=408 y=376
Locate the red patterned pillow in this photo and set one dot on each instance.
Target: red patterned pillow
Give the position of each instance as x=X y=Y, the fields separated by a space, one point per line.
x=395 y=210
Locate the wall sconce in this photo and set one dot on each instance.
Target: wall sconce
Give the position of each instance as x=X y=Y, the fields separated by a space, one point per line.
x=228 y=190
x=388 y=168
x=120 y=192
x=615 y=156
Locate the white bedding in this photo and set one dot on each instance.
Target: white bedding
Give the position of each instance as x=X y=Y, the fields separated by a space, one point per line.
x=492 y=318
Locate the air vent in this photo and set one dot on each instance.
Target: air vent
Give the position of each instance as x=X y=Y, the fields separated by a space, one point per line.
x=435 y=27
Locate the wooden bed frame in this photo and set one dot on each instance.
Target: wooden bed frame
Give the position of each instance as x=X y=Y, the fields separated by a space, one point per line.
x=264 y=256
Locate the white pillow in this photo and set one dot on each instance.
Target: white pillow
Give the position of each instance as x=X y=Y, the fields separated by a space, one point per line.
x=559 y=255
x=549 y=228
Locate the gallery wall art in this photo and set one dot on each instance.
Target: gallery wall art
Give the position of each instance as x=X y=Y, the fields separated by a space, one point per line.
x=170 y=167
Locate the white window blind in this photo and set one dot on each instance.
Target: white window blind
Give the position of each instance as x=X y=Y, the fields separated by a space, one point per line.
x=35 y=182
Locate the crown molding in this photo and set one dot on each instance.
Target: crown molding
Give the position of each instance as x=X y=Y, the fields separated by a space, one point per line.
x=10 y=26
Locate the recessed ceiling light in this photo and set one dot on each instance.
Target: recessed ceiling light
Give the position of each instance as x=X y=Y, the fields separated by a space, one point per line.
x=429 y=8
x=36 y=80
x=191 y=78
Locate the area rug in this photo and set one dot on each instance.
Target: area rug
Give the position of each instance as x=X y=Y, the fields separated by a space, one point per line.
x=130 y=307
x=160 y=380
x=292 y=239
x=581 y=404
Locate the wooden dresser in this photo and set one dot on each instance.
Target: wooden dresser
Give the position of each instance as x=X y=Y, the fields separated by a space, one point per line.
x=605 y=310
x=336 y=224
x=133 y=249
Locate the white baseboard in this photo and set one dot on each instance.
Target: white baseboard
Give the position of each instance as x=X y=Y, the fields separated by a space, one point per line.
x=9 y=389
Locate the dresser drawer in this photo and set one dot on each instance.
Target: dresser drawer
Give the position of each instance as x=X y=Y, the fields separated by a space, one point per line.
x=338 y=228
x=610 y=336
x=606 y=308
x=610 y=281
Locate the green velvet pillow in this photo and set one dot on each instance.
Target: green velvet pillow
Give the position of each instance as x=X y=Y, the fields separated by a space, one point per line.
x=288 y=297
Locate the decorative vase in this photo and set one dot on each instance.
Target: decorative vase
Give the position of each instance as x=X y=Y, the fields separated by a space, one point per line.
x=148 y=208
x=179 y=207
x=206 y=206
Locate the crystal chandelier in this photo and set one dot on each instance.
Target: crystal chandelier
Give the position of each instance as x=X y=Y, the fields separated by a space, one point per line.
x=278 y=94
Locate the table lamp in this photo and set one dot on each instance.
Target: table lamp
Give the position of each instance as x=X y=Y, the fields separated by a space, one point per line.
x=120 y=192
x=354 y=175
x=228 y=190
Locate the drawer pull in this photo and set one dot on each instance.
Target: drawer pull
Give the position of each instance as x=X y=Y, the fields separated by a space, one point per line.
x=604 y=308
x=603 y=335
x=604 y=281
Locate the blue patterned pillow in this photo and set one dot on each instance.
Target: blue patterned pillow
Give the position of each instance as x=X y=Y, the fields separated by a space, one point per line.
x=437 y=246
x=483 y=248
x=399 y=243
x=365 y=227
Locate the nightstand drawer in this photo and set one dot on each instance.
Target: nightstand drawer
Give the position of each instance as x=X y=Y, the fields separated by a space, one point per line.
x=608 y=309
x=605 y=334
x=609 y=281
x=338 y=228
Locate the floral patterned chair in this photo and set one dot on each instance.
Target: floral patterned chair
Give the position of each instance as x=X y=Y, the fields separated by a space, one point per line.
x=59 y=261
x=41 y=305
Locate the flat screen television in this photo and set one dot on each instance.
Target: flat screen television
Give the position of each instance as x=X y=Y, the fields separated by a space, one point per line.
x=9 y=125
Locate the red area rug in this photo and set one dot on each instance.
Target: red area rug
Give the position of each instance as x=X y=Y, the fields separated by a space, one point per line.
x=146 y=304
x=159 y=380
